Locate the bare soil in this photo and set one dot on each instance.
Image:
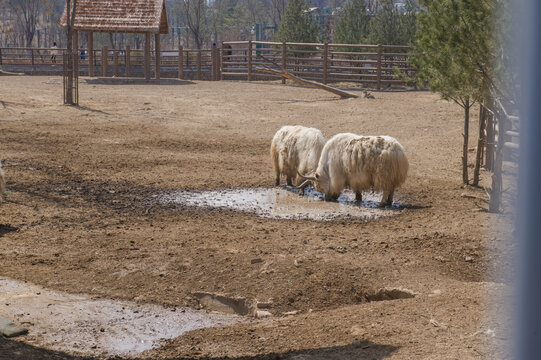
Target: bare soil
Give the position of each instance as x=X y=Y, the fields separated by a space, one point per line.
x=81 y=217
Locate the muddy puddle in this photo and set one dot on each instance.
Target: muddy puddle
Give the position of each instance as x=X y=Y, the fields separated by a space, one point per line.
x=85 y=326
x=285 y=203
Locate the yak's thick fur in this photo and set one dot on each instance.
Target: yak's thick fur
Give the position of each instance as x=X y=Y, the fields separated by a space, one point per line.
x=361 y=163
x=295 y=149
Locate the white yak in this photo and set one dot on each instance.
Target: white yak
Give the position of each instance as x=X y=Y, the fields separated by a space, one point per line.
x=295 y=149
x=360 y=163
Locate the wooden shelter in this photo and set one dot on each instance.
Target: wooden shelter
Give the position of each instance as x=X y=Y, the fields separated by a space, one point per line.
x=120 y=16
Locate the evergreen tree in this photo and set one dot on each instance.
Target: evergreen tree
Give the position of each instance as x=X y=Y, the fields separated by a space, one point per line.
x=298 y=24
x=408 y=22
x=445 y=56
x=385 y=25
x=353 y=26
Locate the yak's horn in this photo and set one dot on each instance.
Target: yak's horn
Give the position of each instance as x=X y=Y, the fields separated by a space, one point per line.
x=304 y=184
x=311 y=178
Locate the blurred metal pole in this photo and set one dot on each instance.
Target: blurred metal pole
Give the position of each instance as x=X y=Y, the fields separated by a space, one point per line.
x=528 y=306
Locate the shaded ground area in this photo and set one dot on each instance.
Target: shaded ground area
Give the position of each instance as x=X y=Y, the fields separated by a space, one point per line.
x=81 y=217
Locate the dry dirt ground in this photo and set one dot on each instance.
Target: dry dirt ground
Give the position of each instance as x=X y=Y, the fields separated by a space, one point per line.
x=81 y=217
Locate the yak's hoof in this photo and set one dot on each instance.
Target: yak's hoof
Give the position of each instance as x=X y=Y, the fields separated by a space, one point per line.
x=277 y=182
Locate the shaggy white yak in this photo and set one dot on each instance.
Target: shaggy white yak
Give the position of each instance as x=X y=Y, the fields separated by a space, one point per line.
x=360 y=163
x=295 y=149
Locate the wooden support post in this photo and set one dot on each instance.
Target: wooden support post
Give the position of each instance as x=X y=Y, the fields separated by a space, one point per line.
x=104 y=63
x=249 y=60
x=378 y=71
x=198 y=64
x=90 y=54
x=325 y=61
x=180 y=62
x=0 y=56
x=128 y=61
x=75 y=52
x=115 y=63
x=284 y=48
x=147 y=56
x=158 y=55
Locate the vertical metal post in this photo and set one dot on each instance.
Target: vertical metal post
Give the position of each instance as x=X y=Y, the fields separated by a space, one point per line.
x=104 y=62
x=224 y=52
x=213 y=60
x=75 y=51
x=90 y=54
x=128 y=61
x=284 y=59
x=198 y=64
x=147 y=56
x=325 y=61
x=249 y=60
x=180 y=62
x=115 y=63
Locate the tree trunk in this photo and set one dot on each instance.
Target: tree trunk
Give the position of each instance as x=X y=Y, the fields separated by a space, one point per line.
x=69 y=88
x=466 y=138
x=480 y=145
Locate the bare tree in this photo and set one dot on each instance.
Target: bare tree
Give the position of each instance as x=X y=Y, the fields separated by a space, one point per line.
x=28 y=13
x=71 y=6
x=276 y=11
x=194 y=16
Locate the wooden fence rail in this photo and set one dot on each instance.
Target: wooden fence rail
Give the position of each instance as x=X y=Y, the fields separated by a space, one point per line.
x=368 y=64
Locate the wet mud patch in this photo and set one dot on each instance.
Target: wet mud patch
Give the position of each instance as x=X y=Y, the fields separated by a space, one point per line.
x=284 y=203
x=85 y=326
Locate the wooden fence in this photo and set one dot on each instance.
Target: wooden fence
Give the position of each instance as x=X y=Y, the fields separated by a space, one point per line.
x=374 y=65
x=194 y=64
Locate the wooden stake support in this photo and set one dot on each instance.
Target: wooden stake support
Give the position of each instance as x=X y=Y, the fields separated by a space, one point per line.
x=343 y=94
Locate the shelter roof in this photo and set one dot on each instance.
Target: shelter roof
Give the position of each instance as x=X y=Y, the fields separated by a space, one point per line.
x=124 y=16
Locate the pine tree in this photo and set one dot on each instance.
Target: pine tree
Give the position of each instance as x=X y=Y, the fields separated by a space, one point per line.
x=297 y=24
x=353 y=26
x=385 y=25
x=444 y=57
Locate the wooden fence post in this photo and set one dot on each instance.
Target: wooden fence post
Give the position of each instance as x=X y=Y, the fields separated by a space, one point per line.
x=249 y=60
x=158 y=55
x=104 y=61
x=91 y=54
x=115 y=63
x=198 y=64
x=325 y=58
x=0 y=56
x=180 y=62
x=378 y=71
x=284 y=47
x=128 y=61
